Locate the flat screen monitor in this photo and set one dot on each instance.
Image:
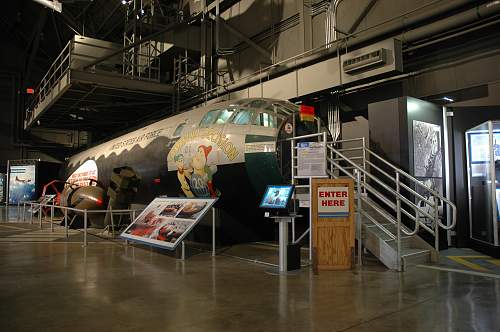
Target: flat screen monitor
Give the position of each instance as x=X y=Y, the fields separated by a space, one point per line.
x=276 y=197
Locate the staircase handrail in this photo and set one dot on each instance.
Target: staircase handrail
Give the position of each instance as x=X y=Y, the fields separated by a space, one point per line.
x=419 y=183
x=377 y=193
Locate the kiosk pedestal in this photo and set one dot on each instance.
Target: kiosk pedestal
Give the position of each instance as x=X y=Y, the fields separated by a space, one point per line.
x=283 y=222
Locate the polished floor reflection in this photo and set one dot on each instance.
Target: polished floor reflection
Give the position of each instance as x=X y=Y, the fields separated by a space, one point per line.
x=108 y=287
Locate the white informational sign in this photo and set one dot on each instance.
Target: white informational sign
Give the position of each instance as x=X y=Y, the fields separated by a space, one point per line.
x=86 y=172
x=333 y=202
x=311 y=159
x=166 y=221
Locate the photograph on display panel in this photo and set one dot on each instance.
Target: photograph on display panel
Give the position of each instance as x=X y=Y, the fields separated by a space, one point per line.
x=22 y=183
x=427 y=154
x=166 y=221
x=435 y=184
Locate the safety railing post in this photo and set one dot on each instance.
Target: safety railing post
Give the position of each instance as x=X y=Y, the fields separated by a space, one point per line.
x=52 y=218
x=213 y=232
x=66 y=223
x=31 y=213
x=436 y=224
x=183 y=251
x=24 y=212
x=364 y=164
x=398 y=226
x=40 y=215
x=85 y=228
x=359 y=225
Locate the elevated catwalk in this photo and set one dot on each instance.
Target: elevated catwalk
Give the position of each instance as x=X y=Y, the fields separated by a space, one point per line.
x=73 y=91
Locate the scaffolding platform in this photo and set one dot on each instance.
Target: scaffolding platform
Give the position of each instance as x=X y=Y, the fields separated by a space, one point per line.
x=73 y=94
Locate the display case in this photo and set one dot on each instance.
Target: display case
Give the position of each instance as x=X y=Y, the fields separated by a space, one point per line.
x=483 y=170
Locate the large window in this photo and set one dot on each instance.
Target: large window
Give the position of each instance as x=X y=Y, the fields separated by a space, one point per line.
x=224 y=116
x=209 y=118
x=243 y=117
x=266 y=120
x=179 y=129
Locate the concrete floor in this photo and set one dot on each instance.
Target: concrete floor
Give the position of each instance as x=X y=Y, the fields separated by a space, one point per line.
x=108 y=287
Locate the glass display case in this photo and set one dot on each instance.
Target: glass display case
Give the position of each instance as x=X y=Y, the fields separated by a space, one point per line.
x=483 y=170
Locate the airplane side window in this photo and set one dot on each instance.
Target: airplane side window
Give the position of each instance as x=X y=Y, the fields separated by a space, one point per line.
x=224 y=115
x=209 y=118
x=179 y=129
x=243 y=117
x=266 y=120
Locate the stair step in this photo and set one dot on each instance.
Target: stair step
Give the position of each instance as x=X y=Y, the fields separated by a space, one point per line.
x=415 y=257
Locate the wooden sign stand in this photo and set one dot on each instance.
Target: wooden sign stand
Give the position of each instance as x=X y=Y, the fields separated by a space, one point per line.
x=333 y=226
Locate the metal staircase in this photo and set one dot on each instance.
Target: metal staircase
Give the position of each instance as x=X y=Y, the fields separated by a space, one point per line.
x=394 y=210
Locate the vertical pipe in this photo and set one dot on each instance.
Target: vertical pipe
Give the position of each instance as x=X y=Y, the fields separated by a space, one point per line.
x=310 y=219
x=493 y=185
x=398 y=228
x=183 y=251
x=31 y=215
x=293 y=230
x=364 y=165
x=52 y=218
x=436 y=225
x=213 y=232
x=24 y=211
x=447 y=172
x=40 y=215
x=359 y=217
x=85 y=228
x=66 y=222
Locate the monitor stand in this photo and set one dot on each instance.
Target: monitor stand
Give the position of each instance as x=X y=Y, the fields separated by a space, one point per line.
x=283 y=239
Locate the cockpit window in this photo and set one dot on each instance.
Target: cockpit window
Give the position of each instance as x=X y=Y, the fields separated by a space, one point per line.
x=179 y=129
x=209 y=118
x=224 y=116
x=243 y=117
x=265 y=119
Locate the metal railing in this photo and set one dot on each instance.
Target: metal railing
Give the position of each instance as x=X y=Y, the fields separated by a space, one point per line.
x=84 y=212
x=145 y=63
x=391 y=193
x=395 y=196
x=56 y=72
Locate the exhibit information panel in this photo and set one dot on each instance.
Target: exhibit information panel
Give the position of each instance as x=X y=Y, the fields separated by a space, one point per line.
x=166 y=221
x=311 y=159
x=22 y=185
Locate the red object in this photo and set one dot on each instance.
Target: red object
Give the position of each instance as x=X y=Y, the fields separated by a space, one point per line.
x=306 y=113
x=206 y=150
x=157 y=180
x=30 y=91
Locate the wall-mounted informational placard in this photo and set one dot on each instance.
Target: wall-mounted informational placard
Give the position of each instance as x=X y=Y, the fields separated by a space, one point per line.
x=333 y=202
x=166 y=221
x=22 y=185
x=311 y=159
x=45 y=199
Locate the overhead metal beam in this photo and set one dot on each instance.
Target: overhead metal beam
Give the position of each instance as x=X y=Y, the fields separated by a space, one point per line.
x=239 y=34
x=361 y=16
x=118 y=5
x=131 y=46
x=54 y=4
x=36 y=42
x=56 y=29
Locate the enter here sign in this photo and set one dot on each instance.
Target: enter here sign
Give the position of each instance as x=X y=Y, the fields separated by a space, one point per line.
x=333 y=202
